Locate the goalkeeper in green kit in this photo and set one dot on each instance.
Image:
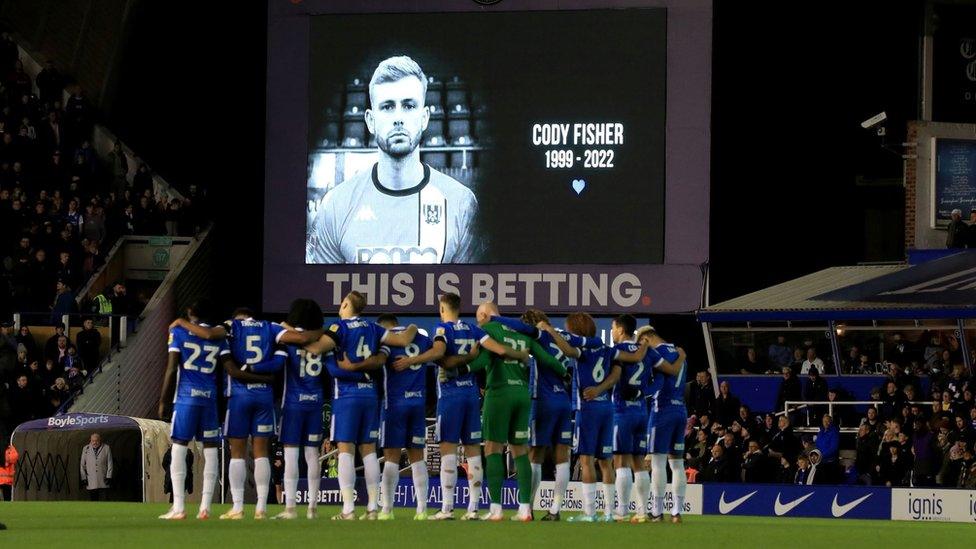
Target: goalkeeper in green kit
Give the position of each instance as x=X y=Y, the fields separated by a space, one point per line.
x=505 y=414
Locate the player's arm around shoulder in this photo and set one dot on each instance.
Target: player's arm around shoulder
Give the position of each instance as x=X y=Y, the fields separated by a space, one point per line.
x=494 y=335
x=546 y=359
x=559 y=340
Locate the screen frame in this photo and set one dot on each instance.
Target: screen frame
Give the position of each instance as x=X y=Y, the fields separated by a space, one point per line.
x=675 y=285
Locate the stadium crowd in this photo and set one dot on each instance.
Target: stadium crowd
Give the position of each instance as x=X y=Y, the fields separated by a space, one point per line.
x=899 y=442
x=62 y=208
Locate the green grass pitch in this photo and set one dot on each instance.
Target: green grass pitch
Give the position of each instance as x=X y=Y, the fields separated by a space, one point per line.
x=82 y=524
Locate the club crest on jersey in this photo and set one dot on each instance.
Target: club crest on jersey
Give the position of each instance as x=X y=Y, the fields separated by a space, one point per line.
x=432 y=214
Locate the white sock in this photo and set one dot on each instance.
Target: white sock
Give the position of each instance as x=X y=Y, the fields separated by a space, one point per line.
x=562 y=484
x=679 y=482
x=371 y=470
x=211 y=464
x=536 y=479
x=237 y=474
x=448 y=482
x=476 y=477
x=390 y=474
x=625 y=481
x=642 y=491
x=347 y=482
x=525 y=509
x=420 y=482
x=609 y=497
x=659 y=483
x=262 y=480
x=314 y=475
x=495 y=509
x=291 y=476
x=177 y=473
x=589 y=499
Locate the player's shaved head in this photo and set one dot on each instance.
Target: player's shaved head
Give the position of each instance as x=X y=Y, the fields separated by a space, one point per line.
x=387 y=320
x=243 y=312
x=581 y=324
x=394 y=69
x=534 y=316
x=485 y=311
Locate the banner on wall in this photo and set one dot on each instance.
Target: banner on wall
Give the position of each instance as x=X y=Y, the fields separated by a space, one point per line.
x=785 y=500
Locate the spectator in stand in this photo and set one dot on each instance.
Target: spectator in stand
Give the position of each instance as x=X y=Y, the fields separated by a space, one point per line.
x=701 y=395
x=733 y=450
x=22 y=401
x=754 y=465
x=118 y=168
x=784 y=444
x=828 y=443
x=789 y=389
x=51 y=346
x=25 y=338
x=815 y=390
x=802 y=474
x=797 y=364
x=7 y=339
x=726 y=405
x=64 y=302
x=61 y=350
x=780 y=354
x=785 y=473
x=751 y=364
x=892 y=467
x=717 y=469
x=697 y=455
x=57 y=394
x=812 y=361
x=924 y=450
x=952 y=461
x=89 y=342
x=142 y=181
x=957 y=232
x=842 y=413
x=852 y=363
x=868 y=441
x=50 y=84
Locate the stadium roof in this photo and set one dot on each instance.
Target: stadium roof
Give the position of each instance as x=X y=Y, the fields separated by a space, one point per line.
x=943 y=288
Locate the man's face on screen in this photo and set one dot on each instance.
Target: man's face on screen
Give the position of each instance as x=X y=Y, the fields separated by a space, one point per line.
x=398 y=116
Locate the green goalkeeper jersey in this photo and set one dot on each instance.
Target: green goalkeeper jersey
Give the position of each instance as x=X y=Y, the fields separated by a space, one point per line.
x=508 y=372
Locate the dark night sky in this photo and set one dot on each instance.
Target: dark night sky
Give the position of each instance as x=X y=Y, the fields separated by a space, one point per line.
x=789 y=91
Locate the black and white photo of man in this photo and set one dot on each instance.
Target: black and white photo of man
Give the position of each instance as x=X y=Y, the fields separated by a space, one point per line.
x=400 y=211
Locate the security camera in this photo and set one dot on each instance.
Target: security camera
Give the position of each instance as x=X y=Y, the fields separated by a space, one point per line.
x=874 y=120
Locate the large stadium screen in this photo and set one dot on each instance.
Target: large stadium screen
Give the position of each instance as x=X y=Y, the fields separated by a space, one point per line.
x=520 y=156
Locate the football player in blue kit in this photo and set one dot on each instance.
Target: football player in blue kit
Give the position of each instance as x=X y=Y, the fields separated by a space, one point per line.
x=355 y=399
x=302 y=401
x=458 y=400
x=669 y=417
x=551 y=416
x=250 y=406
x=403 y=422
x=190 y=382
x=630 y=422
x=597 y=371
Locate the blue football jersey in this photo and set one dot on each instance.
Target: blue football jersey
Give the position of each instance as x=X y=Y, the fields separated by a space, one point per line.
x=196 y=378
x=303 y=378
x=460 y=338
x=633 y=376
x=252 y=344
x=672 y=389
x=408 y=385
x=358 y=340
x=592 y=367
x=545 y=384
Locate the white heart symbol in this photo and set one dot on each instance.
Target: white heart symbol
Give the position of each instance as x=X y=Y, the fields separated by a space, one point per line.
x=578 y=185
